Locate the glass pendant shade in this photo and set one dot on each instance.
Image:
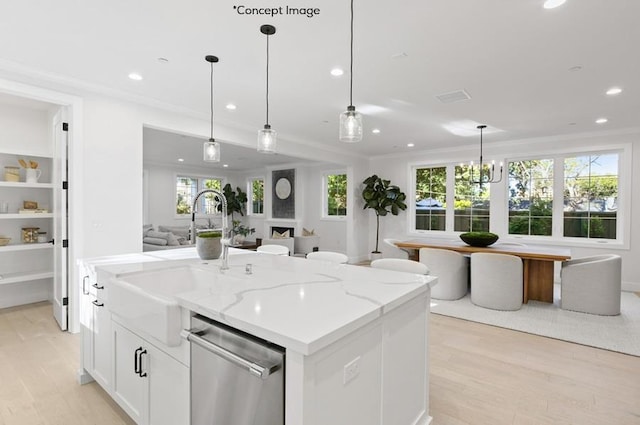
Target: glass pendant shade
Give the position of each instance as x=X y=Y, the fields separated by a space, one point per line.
x=350 y=125
x=267 y=140
x=211 y=151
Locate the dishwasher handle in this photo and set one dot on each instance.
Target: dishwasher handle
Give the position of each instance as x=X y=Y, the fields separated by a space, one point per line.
x=253 y=368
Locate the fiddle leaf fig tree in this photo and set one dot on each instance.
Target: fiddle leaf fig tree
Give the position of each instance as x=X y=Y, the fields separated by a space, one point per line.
x=384 y=198
x=236 y=201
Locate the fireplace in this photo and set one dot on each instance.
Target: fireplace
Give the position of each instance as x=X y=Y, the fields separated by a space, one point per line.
x=281 y=229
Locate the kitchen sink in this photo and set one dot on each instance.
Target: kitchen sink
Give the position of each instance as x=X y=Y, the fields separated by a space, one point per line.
x=146 y=299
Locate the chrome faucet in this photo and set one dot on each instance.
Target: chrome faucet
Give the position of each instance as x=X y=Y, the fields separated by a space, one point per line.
x=226 y=232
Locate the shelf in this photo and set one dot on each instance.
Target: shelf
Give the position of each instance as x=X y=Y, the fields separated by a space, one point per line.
x=26 y=246
x=19 y=216
x=23 y=185
x=6 y=278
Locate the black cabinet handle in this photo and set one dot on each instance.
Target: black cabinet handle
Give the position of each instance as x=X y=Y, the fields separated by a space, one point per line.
x=85 y=290
x=136 y=357
x=97 y=303
x=140 y=372
x=95 y=285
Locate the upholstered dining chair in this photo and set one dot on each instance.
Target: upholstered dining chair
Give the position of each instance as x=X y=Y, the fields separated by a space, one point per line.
x=400 y=265
x=330 y=256
x=403 y=253
x=273 y=249
x=452 y=270
x=592 y=285
x=496 y=281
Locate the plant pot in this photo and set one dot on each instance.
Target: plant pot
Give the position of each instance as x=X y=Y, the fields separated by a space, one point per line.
x=208 y=248
x=375 y=256
x=238 y=239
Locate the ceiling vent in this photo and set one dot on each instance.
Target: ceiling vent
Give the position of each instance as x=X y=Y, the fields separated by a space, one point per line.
x=454 y=96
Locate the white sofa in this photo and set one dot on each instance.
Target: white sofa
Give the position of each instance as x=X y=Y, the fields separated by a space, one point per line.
x=305 y=244
x=288 y=242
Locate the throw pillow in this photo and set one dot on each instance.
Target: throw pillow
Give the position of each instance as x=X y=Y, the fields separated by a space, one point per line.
x=176 y=230
x=168 y=236
x=278 y=235
x=155 y=241
x=306 y=232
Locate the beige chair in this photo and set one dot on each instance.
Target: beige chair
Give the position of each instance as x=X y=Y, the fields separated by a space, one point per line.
x=273 y=249
x=402 y=253
x=305 y=244
x=288 y=242
x=332 y=257
x=496 y=281
x=592 y=285
x=452 y=270
x=400 y=265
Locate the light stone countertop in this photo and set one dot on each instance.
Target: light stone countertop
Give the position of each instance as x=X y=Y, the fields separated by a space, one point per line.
x=302 y=305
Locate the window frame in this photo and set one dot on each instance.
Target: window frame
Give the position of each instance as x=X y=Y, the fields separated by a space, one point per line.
x=499 y=200
x=250 y=181
x=200 y=179
x=324 y=215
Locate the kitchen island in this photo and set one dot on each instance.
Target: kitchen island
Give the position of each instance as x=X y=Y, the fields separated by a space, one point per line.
x=355 y=338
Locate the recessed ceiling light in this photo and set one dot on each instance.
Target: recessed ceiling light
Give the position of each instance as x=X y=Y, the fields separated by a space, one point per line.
x=552 y=4
x=336 y=72
x=400 y=55
x=575 y=68
x=180 y=159
x=225 y=165
x=614 y=91
x=410 y=145
x=601 y=120
x=163 y=60
x=231 y=106
x=135 y=76
x=376 y=131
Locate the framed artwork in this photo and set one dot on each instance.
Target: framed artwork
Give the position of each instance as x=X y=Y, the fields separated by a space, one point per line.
x=283 y=194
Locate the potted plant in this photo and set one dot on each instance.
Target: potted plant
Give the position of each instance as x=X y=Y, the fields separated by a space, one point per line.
x=240 y=231
x=382 y=197
x=208 y=245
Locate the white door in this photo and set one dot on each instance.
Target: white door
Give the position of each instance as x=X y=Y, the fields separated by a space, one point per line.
x=60 y=206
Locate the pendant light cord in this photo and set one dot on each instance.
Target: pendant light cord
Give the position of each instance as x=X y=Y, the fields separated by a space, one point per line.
x=351 y=66
x=267 y=79
x=211 y=100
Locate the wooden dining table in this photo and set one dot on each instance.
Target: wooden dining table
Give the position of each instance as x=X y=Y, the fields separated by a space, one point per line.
x=537 y=261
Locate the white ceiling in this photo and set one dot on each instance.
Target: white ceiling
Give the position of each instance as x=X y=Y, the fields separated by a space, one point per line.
x=512 y=57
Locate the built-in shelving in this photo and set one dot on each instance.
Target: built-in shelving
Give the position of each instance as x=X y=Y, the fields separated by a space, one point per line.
x=23 y=185
x=19 y=216
x=6 y=278
x=26 y=246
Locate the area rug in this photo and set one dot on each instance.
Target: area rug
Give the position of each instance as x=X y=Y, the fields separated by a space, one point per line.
x=616 y=333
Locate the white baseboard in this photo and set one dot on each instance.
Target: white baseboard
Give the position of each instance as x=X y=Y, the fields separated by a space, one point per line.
x=631 y=286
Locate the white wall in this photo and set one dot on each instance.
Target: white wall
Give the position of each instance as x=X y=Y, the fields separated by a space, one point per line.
x=397 y=169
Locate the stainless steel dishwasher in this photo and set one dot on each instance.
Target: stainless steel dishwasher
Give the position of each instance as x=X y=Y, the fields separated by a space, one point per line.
x=236 y=378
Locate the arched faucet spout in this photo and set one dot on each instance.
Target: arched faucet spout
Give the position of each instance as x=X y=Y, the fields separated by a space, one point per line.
x=226 y=232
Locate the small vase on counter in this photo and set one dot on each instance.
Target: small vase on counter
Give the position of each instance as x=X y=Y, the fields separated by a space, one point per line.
x=208 y=245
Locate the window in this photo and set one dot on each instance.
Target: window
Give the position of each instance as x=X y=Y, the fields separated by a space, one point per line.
x=335 y=195
x=591 y=196
x=188 y=187
x=531 y=197
x=431 y=198
x=471 y=203
x=256 y=196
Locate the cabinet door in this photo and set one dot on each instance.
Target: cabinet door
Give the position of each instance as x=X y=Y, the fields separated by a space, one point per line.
x=86 y=316
x=101 y=343
x=168 y=390
x=130 y=389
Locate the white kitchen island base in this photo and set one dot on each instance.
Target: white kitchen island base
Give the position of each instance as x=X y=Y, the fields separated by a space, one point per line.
x=355 y=338
x=385 y=368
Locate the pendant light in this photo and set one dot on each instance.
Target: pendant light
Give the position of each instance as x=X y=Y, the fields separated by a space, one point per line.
x=484 y=177
x=211 y=149
x=267 y=136
x=351 y=120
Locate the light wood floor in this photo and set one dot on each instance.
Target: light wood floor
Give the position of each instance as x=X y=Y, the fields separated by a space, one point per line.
x=479 y=375
x=38 y=369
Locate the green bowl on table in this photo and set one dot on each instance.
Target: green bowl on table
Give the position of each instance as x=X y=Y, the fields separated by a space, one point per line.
x=480 y=239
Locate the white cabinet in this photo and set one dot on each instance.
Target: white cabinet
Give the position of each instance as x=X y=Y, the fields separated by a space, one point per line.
x=95 y=322
x=151 y=386
x=26 y=269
